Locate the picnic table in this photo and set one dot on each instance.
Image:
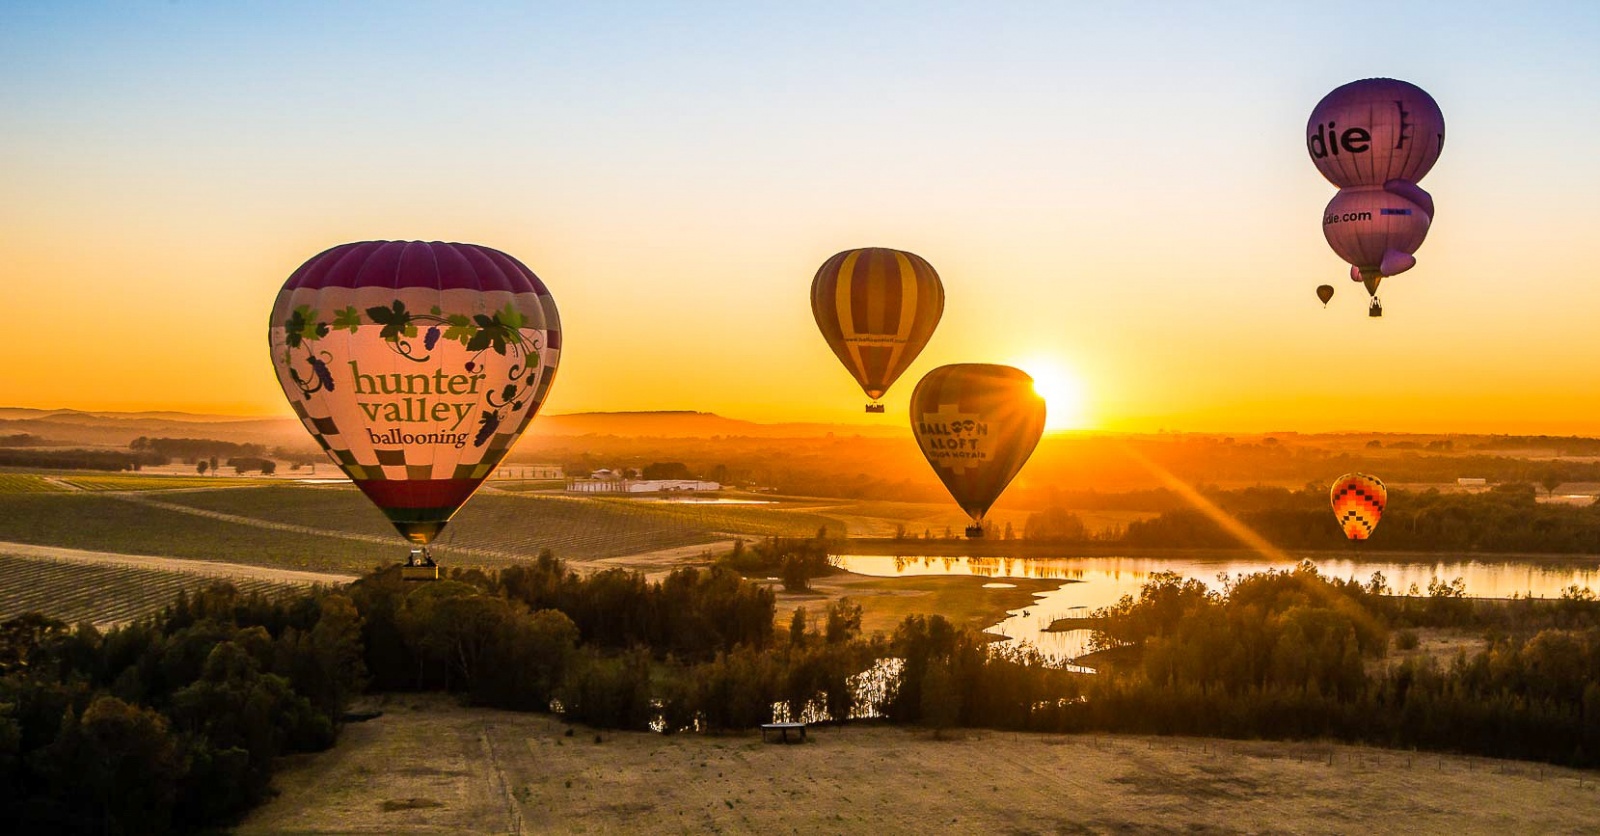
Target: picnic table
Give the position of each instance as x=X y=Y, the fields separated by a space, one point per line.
x=783 y=730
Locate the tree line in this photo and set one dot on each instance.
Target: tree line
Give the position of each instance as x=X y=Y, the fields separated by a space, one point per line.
x=173 y=723
x=1506 y=518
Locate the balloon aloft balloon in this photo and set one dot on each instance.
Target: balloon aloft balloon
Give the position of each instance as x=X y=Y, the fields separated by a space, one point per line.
x=416 y=366
x=876 y=309
x=976 y=424
x=1324 y=292
x=1371 y=131
x=1358 y=501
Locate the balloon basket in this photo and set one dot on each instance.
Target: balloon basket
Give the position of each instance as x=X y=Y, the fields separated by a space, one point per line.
x=974 y=532
x=419 y=573
x=419 y=566
x=876 y=408
x=1375 y=309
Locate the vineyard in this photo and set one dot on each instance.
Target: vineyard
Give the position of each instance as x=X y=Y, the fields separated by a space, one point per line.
x=526 y=523
x=27 y=483
x=114 y=482
x=93 y=521
x=102 y=595
x=778 y=519
x=505 y=524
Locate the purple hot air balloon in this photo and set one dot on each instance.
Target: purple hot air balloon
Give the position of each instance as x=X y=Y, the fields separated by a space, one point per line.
x=1369 y=132
x=1374 y=139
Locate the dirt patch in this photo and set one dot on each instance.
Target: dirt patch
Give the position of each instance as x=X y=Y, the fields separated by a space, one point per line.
x=409 y=804
x=885 y=602
x=869 y=777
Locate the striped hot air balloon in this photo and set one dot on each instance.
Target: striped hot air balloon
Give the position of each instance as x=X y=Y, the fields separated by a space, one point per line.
x=1358 y=501
x=976 y=424
x=876 y=308
x=415 y=366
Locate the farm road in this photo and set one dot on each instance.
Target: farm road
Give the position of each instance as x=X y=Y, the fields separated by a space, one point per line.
x=209 y=568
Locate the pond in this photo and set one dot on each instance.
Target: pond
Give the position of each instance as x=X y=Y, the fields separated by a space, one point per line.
x=1088 y=583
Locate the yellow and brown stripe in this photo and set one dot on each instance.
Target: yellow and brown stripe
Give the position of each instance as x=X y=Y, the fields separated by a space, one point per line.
x=877 y=308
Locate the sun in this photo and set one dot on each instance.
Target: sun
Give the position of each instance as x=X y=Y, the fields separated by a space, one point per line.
x=1062 y=390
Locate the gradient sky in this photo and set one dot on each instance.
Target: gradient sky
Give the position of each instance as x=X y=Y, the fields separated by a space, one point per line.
x=1120 y=191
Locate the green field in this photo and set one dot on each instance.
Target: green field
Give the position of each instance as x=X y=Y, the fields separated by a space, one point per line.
x=102 y=595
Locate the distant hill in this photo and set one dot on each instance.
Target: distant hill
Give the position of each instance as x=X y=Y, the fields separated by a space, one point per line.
x=69 y=427
x=686 y=424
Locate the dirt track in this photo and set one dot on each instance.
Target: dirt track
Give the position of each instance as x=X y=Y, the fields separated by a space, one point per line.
x=427 y=766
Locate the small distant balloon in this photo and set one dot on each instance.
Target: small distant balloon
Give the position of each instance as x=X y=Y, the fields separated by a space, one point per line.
x=1325 y=292
x=876 y=308
x=977 y=424
x=1358 y=501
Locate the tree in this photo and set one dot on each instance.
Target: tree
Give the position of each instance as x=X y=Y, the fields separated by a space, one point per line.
x=667 y=470
x=843 y=621
x=269 y=467
x=202 y=467
x=1551 y=480
x=797 y=628
x=1055 y=524
x=941 y=702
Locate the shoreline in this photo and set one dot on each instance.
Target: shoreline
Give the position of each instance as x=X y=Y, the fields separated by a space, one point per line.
x=1024 y=549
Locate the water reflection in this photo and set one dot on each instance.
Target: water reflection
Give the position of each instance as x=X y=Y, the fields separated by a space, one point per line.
x=1093 y=582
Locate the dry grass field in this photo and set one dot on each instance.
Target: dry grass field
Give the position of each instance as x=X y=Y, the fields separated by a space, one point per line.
x=427 y=766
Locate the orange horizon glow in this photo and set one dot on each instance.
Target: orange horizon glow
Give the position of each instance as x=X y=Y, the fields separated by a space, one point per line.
x=1154 y=236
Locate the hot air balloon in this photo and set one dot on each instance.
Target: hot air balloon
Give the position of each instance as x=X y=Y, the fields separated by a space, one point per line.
x=976 y=424
x=876 y=308
x=1374 y=139
x=1324 y=292
x=416 y=366
x=1371 y=131
x=1358 y=501
x=1375 y=231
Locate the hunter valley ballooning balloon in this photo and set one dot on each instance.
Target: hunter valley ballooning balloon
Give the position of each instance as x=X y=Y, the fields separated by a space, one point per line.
x=416 y=366
x=1374 y=139
x=977 y=424
x=876 y=308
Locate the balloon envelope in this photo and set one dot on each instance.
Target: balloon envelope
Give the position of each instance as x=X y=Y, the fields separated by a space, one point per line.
x=1325 y=292
x=1358 y=501
x=1374 y=230
x=415 y=366
x=1368 y=132
x=976 y=424
x=876 y=308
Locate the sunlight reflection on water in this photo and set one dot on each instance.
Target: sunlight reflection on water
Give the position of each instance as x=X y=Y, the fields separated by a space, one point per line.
x=1089 y=583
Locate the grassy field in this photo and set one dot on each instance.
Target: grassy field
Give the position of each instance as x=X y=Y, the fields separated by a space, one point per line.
x=427 y=766
x=102 y=595
x=131 y=482
x=28 y=483
x=779 y=519
x=516 y=525
x=96 y=522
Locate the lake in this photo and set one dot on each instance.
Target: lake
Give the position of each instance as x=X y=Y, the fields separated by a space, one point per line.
x=1089 y=583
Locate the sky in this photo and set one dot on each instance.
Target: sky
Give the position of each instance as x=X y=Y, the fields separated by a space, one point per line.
x=1117 y=197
